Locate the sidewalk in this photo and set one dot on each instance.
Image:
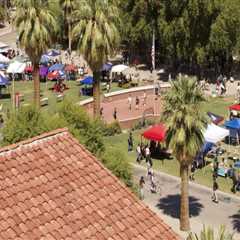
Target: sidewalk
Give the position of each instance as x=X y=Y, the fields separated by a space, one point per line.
x=7 y=29
x=202 y=209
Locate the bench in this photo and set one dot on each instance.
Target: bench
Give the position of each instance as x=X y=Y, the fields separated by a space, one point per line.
x=43 y=102
x=60 y=97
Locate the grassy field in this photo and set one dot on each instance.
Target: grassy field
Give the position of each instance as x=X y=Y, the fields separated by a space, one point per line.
x=26 y=88
x=171 y=166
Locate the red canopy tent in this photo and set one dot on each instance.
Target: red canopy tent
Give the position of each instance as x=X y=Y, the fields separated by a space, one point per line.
x=235 y=107
x=53 y=75
x=71 y=68
x=156 y=133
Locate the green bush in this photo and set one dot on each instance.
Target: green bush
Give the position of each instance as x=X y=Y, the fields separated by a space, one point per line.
x=143 y=123
x=25 y=123
x=112 y=129
x=117 y=163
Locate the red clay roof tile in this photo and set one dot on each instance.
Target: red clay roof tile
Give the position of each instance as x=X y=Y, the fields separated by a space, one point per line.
x=53 y=188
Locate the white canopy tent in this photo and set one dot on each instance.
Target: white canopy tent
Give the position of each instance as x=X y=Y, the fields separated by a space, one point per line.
x=4 y=59
x=214 y=133
x=118 y=68
x=16 y=67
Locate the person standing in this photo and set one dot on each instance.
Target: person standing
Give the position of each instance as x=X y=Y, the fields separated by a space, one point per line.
x=147 y=153
x=130 y=102
x=238 y=92
x=137 y=103
x=108 y=87
x=141 y=186
x=115 y=113
x=214 y=191
x=130 y=142
x=144 y=98
x=234 y=179
x=101 y=112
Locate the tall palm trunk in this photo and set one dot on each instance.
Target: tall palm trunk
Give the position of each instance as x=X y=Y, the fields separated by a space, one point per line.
x=36 y=84
x=69 y=34
x=184 y=208
x=96 y=94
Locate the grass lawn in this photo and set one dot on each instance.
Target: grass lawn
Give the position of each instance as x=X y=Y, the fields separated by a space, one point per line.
x=171 y=166
x=26 y=88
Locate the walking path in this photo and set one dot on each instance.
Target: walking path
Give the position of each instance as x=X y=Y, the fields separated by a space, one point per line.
x=202 y=209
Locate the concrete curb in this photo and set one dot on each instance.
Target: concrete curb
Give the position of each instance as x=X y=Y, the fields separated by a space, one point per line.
x=192 y=184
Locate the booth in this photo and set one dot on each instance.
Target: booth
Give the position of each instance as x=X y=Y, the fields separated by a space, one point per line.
x=234 y=127
x=87 y=90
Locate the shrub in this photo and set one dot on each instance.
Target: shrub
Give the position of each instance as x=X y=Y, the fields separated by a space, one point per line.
x=208 y=234
x=112 y=129
x=117 y=163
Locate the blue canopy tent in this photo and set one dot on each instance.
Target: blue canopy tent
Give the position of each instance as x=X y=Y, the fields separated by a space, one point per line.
x=44 y=59
x=53 y=53
x=56 y=67
x=234 y=127
x=87 y=80
x=3 y=66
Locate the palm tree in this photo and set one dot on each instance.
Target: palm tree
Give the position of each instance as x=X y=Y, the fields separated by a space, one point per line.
x=68 y=7
x=36 y=27
x=208 y=234
x=97 y=35
x=185 y=122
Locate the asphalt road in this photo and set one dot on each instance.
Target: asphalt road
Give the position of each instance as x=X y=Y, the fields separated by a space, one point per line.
x=202 y=209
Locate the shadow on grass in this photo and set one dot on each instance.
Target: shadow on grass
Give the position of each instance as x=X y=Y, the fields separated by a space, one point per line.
x=236 y=221
x=171 y=206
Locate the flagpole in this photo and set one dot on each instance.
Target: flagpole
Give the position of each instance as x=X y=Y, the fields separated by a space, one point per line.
x=153 y=68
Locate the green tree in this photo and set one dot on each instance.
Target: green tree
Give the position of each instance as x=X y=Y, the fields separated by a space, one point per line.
x=36 y=28
x=185 y=123
x=68 y=7
x=2 y=14
x=208 y=234
x=97 y=35
x=117 y=163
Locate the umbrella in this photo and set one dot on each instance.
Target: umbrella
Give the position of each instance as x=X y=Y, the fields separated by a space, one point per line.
x=53 y=75
x=53 y=53
x=45 y=59
x=216 y=119
x=107 y=67
x=43 y=71
x=3 y=80
x=56 y=67
x=87 y=80
x=71 y=68
x=28 y=69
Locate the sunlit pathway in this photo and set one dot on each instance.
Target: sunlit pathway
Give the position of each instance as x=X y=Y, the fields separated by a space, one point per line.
x=202 y=209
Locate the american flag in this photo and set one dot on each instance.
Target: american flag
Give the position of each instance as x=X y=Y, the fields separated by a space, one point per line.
x=153 y=51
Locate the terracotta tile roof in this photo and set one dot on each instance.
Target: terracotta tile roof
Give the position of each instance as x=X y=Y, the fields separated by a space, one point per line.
x=51 y=187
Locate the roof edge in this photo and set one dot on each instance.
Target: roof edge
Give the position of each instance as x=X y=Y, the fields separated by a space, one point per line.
x=33 y=139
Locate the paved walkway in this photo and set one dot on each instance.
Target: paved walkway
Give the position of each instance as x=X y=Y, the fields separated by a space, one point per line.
x=123 y=112
x=202 y=209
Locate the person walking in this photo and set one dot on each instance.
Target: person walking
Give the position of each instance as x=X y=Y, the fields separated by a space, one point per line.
x=234 y=179
x=137 y=103
x=193 y=168
x=139 y=154
x=141 y=187
x=238 y=92
x=214 y=191
x=101 y=112
x=115 y=113
x=147 y=153
x=130 y=102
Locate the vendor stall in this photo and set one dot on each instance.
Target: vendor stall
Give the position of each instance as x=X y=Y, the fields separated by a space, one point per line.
x=155 y=133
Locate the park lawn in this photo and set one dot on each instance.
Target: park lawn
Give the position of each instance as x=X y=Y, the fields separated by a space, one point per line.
x=171 y=166
x=26 y=88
